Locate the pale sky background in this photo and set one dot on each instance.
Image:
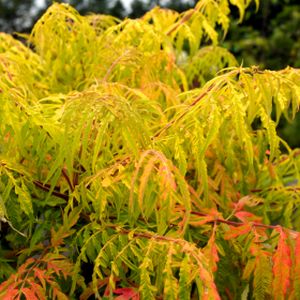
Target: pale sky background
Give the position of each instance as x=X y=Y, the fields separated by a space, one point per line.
x=41 y=3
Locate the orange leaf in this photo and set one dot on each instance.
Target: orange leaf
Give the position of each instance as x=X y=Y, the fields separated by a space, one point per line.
x=40 y=274
x=38 y=290
x=10 y=283
x=202 y=220
x=209 y=215
x=211 y=251
x=211 y=292
x=11 y=294
x=23 y=268
x=237 y=231
x=281 y=267
x=29 y=294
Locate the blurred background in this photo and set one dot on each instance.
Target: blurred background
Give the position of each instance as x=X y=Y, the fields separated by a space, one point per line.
x=269 y=38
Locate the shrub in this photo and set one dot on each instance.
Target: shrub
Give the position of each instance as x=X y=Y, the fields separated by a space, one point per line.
x=139 y=162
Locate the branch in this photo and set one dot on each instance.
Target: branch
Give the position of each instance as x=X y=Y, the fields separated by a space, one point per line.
x=65 y=175
x=234 y=223
x=147 y=235
x=46 y=187
x=293 y=233
x=199 y=98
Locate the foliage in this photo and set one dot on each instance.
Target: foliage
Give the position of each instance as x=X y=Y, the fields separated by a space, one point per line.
x=270 y=39
x=139 y=162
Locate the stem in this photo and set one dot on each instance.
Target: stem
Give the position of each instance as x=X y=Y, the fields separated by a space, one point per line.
x=234 y=223
x=293 y=233
x=64 y=173
x=199 y=98
x=47 y=189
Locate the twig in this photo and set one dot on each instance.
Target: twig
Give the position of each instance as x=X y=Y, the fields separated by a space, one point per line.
x=234 y=223
x=64 y=173
x=199 y=98
x=215 y=220
x=47 y=189
x=185 y=18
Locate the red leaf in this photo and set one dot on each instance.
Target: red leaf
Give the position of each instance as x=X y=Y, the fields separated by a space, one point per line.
x=11 y=294
x=281 y=267
x=237 y=231
x=29 y=294
x=296 y=285
x=126 y=294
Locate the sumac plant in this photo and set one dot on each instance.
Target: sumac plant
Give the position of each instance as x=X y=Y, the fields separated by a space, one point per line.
x=139 y=161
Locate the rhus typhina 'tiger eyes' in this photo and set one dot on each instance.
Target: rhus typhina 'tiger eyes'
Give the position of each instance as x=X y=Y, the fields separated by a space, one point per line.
x=139 y=161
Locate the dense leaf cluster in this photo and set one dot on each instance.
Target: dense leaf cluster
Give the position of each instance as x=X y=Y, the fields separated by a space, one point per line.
x=139 y=162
